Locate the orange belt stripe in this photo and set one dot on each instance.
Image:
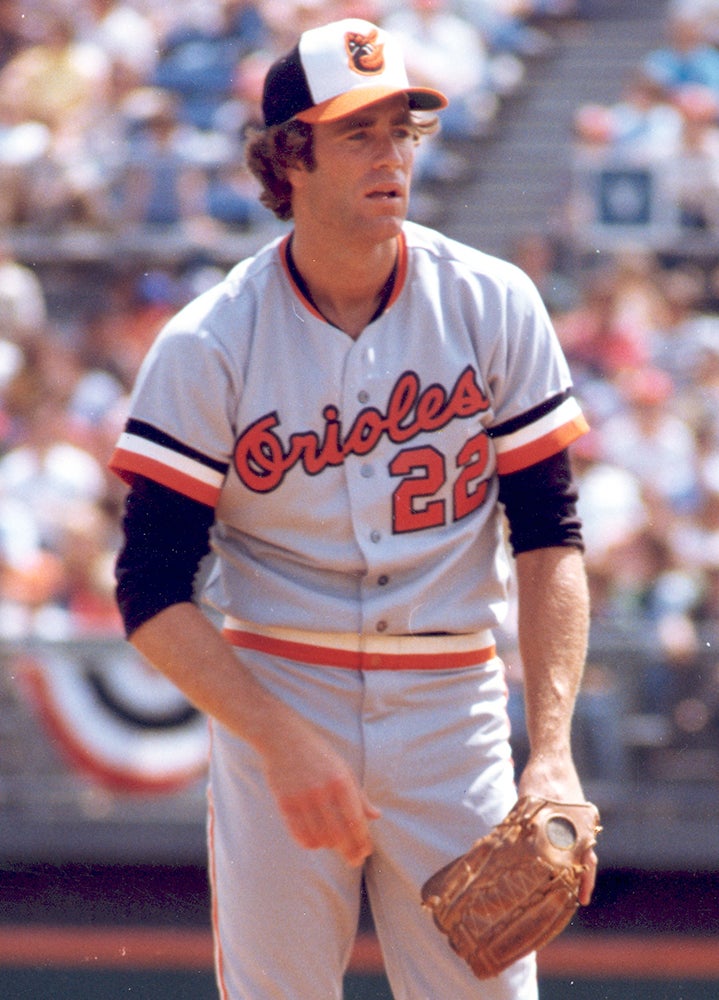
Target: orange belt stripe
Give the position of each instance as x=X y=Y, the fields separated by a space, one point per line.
x=357 y=659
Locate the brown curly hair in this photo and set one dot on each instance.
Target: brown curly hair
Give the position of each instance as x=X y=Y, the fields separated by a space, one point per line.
x=269 y=152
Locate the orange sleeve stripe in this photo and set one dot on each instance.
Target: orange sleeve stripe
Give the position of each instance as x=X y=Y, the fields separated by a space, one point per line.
x=544 y=447
x=127 y=464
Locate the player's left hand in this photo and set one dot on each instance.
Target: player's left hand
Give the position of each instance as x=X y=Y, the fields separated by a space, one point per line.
x=556 y=778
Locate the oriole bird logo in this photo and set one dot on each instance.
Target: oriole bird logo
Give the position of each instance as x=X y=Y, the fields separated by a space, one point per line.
x=366 y=55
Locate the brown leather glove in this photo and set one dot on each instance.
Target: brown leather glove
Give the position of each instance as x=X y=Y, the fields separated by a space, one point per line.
x=516 y=888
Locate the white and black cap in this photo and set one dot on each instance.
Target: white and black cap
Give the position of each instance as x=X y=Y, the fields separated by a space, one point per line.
x=335 y=70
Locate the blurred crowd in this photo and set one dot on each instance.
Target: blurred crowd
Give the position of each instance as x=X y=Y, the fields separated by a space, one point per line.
x=116 y=113
x=666 y=120
x=641 y=335
x=642 y=338
x=121 y=113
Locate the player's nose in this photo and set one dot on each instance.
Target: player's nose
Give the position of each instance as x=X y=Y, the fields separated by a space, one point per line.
x=389 y=150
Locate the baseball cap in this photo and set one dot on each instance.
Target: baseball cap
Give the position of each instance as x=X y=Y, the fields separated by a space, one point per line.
x=337 y=69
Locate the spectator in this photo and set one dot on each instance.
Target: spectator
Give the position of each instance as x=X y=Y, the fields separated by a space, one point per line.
x=244 y=105
x=232 y=193
x=56 y=78
x=654 y=443
x=48 y=471
x=84 y=603
x=695 y=538
x=643 y=127
x=700 y=399
x=136 y=308
x=613 y=512
x=13 y=34
x=23 y=145
x=23 y=304
x=538 y=257
x=639 y=293
x=693 y=182
x=198 y=63
x=505 y=27
x=56 y=100
x=687 y=58
x=676 y=342
x=598 y=335
x=71 y=183
x=161 y=186
x=30 y=576
x=441 y=47
x=128 y=39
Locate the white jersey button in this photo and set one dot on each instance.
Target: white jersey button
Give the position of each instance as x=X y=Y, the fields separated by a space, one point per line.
x=367 y=471
x=376 y=536
x=363 y=396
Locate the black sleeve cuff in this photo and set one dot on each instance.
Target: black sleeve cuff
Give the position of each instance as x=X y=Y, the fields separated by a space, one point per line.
x=541 y=505
x=166 y=536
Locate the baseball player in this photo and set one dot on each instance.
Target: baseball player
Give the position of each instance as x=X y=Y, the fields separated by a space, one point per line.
x=344 y=420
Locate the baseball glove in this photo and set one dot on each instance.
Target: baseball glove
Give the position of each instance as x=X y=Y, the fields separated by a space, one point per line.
x=516 y=888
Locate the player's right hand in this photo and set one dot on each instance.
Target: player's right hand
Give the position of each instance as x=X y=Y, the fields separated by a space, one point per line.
x=320 y=798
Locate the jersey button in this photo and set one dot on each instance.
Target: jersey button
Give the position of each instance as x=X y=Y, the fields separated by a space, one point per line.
x=383 y=580
x=363 y=396
x=367 y=471
x=376 y=536
x=381 y=626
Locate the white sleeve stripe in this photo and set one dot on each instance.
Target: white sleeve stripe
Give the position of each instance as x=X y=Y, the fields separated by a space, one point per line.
x=170 y=459
x=563 y=414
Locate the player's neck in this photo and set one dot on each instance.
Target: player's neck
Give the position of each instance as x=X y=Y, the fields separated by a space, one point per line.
x=348 y=289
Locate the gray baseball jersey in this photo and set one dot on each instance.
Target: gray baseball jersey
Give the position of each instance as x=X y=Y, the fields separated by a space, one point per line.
x=355 y=481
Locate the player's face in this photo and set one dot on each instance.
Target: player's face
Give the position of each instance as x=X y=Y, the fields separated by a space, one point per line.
x=363 y=171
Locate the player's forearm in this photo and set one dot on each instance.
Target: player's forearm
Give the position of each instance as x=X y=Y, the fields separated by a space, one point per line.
x=553 y=629
x=183 y=645
x=317 y=793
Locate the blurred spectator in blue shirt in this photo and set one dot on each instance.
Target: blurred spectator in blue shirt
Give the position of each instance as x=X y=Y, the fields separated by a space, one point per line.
x=161 y=185
x=198 y=63
x=687 y=57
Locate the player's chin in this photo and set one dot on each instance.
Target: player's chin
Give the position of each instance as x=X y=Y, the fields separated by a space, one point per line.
x=386 y=223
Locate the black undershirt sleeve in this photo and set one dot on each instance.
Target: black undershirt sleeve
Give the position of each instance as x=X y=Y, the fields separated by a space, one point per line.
x=166 y=537
x=541 y=505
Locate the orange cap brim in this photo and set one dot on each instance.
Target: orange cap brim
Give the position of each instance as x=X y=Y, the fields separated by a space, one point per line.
x=420 y=99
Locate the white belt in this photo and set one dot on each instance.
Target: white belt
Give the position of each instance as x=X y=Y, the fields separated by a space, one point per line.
x=357 y=651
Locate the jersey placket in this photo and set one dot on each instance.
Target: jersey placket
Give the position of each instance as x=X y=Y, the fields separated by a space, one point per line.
x=369 y=486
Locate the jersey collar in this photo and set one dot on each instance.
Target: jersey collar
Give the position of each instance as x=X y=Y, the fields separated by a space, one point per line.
x=389 y=294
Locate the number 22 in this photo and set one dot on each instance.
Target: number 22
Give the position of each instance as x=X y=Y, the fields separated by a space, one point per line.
x=424 y=472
